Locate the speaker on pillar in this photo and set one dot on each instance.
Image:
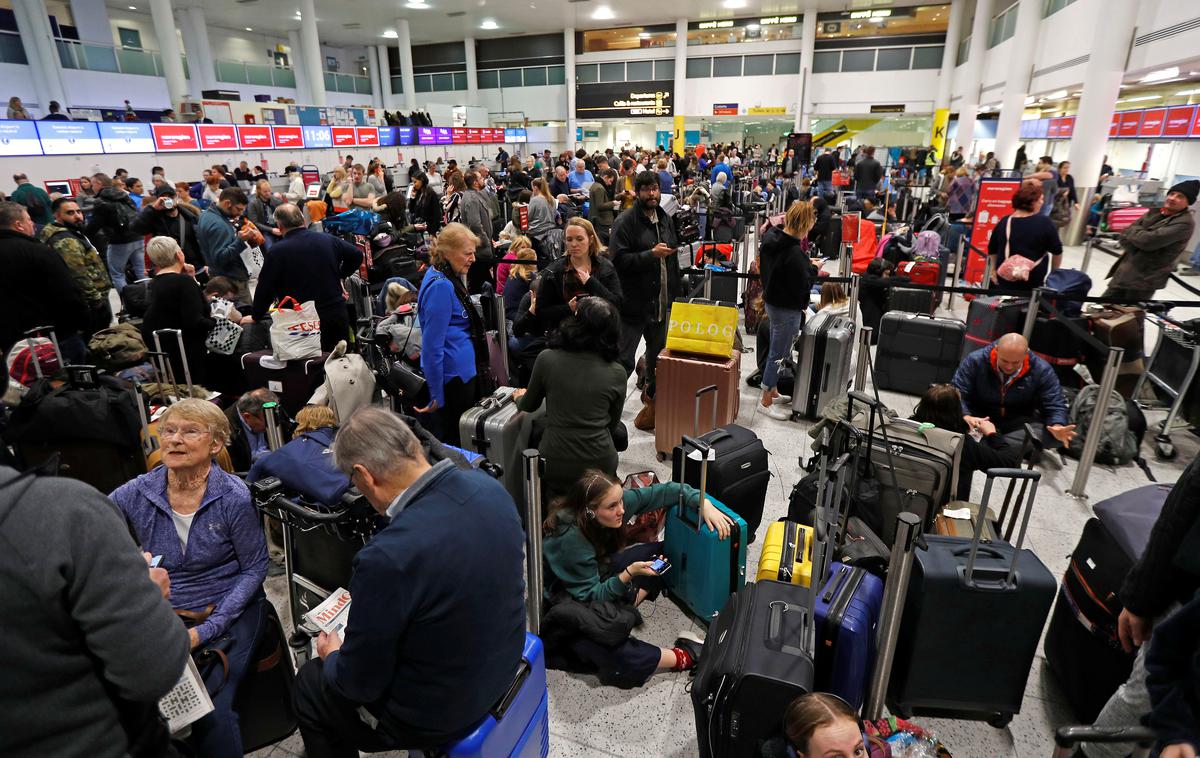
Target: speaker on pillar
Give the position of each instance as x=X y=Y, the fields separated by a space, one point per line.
x=801 y=142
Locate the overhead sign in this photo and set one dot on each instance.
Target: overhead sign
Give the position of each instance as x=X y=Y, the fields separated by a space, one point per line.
x=69 y=137
x=406 y=135
x=174 y=138
x=442 y=135
x=625 y=99
x=725 y=109
x=1131 y=121
x=317 y=136
x=515 y=136
x=1114 y=125
x=132 y=137
x=288 y=137
x=1153 y=121
x=458 y=135
x=1196 y=125
x=770 y=110
x=255 y=137
x=367 y=136
x=425 y=135
x=1179 y=120
x=343 y=136
x=19 y=138
x=217 y=136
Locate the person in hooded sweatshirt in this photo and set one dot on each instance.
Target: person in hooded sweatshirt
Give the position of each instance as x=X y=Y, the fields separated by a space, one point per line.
x=787 y=276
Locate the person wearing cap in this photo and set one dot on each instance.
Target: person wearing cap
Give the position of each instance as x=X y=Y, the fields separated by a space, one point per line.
x=1152 y=245
x=166 y=217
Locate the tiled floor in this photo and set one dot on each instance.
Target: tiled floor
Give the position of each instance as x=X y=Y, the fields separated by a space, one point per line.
x=587 y=719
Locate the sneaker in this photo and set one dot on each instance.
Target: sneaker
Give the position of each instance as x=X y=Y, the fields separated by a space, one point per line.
x=688 y=647
x=783 y=413
x=1189 y=271
x=781 y=399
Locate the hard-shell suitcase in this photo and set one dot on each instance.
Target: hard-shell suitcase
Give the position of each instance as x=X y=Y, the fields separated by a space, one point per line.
x=496 y=429
x=909 y=300
x=847 y=610
x=678 y=377
x=705 y=570
x=787 y=553
x=920 y=272
x=294 y=383
x=824 y=365
x=916 y=351
x=989 y=319
x=740 y=472
x=1082 y=647
x=758 y=657
x=980 y=605
x=1120 y=219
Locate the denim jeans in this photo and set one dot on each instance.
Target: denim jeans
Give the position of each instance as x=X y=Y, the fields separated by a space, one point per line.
x=824 y=187
x=785 y=325
x=121 y=253
x=1194 y=261
x=218 y=734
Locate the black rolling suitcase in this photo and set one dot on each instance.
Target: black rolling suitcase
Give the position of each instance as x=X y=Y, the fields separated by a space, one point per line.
x=911 y=300
x=263 y=702
x=972 y=621
x=738 y=477
x=757 y=658
x=916 y=350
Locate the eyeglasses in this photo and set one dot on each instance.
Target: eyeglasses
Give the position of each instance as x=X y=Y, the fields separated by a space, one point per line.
x=189 y=435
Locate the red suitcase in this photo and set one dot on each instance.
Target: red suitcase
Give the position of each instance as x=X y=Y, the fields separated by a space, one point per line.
x=677 y=378
x=1120 y=219
x=920 y=272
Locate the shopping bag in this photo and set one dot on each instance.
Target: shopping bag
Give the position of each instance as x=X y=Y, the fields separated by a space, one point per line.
x=295 y=330
x=702 y=327
x=224 y=336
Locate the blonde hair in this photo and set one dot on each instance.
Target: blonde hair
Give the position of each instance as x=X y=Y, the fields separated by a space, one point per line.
x=800 y=218
x=313 y=417
x=452 y=235
x=396 y=296
x=200 y=412
x=832 y=293
x=524 y=271
x=541 y=188
x=593 y=238
x=162 y=250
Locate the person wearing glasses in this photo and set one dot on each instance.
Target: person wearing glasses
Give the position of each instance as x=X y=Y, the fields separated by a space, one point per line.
x=201 y=521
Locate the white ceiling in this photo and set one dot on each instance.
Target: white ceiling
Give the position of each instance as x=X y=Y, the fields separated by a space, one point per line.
x=514 y=17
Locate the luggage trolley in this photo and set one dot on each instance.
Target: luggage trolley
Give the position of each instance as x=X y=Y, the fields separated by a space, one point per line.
x=1171 y=368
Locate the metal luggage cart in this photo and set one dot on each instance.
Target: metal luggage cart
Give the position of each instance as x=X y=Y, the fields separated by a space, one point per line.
x=1171 y=368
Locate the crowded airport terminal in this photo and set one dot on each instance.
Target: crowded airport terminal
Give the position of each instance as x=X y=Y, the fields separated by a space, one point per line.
x=582 y=379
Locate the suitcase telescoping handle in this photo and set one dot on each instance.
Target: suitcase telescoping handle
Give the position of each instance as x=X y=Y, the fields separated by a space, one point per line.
x=187 y=372
x=532 y=464
x=1033 y=476
x=774 y=636
x=712 y=388
x=38 y=331
x=1067 y=738
x=703 y=452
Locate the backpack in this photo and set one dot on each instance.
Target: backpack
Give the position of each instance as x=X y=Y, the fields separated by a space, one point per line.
x=1122 y=430
x=1068 y=283
x=928 y=245
x=123 y=215
x=118 y=347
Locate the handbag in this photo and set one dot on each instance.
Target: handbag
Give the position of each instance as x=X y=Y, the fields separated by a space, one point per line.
x=224 y=336
x=1015 y=268
x=212 y=658
x=408 y=384
x=648 y=526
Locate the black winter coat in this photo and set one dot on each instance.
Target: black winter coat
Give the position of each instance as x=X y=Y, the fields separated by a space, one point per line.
x=552 y=305
x=36 y=289
x=631 y=241
x=113 y=215
x=787 y=273
x=160 y=223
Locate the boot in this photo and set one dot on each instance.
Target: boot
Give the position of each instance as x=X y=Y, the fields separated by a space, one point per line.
x=645 y=418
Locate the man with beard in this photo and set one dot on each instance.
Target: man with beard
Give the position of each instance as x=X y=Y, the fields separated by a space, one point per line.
x=65 y=236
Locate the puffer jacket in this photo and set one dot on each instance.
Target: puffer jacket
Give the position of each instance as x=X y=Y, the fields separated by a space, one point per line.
x=1035 y=391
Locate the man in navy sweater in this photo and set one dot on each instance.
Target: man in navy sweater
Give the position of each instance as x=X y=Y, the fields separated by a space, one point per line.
x=307 y=266
x=437 y=619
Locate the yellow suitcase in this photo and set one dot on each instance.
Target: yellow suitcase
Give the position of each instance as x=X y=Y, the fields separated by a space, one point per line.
x=787 y=553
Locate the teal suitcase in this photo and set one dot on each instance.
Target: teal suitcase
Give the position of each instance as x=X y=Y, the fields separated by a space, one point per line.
x=705 y=570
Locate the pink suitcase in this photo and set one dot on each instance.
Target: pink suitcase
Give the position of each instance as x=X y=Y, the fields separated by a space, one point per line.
x=1120 y=219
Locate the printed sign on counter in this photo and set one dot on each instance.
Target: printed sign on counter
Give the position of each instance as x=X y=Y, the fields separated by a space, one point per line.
x=69 y=137
x=132 y=137
x=217 y=136
x=288 y=137
x=174 y=138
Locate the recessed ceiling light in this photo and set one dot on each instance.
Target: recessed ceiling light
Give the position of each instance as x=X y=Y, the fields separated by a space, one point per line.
x=1140 y=99
x=1161 y=74
x=603 y=13
x=133 y=7
x=1187 y=92
x=390 y=34
x=1057 y=95
x=249 y=29
x=734 y=3
x=418 y=4
x=489 y=23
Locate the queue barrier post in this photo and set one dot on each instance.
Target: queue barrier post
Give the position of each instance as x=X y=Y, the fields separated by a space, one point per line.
x=1092 y=441
x=1035 y=303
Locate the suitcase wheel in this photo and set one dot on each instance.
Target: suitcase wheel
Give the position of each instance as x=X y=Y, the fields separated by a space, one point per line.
x=1000 y=720
x=661 y=456
x=1165 y=450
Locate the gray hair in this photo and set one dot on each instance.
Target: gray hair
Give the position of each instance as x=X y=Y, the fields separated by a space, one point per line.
x=161 y=251
x=11 y=214
x=289 y=216
x=252 y=402
x=722 y=177
x=376 y=439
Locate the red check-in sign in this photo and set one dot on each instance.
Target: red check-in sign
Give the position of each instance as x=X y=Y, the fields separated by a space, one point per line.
x=254 y=137
x=1153 y=121
x=368 y=136
x=1131 y=121
x=170 y=138
x=288 y=137
x=1179 y=120
x=343 y=136
x=217 y=136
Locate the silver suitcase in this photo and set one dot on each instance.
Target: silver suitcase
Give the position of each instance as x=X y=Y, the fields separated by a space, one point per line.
x=823 y=368
x=496 y=429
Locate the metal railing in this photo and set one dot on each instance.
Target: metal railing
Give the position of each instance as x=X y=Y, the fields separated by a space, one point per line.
x=91 y=56
x=261 y=74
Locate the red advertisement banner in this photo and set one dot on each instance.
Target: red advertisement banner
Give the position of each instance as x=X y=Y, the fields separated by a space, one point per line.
x=995 y=202
x=289 y=137
x=217 y=136
x=255 y=137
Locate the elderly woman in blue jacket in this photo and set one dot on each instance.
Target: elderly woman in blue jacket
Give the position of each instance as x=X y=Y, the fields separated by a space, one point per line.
x=451 y=331
x=201 y=521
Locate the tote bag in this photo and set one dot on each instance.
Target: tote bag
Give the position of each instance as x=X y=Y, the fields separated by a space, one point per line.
x=295 y=330
x=702 y=328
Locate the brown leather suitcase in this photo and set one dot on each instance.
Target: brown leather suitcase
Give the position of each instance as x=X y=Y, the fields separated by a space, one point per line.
x=678 y=377
x=1120 y=326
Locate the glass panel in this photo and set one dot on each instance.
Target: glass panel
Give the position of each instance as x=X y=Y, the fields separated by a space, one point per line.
x=443 y=82
x=284 y=77
x=612 y=72
x=922 y=19
x=259 y=73
x=893 y=59
x=1010 y=24
x=628 y=38
x=826 y=62
x=186 y=74
x=66 y=53
x=487 y=80
x=535 y=76
x=98 y=58
x=742 y=33
x=362 y=85
x=510 y=77
x=130 y=38
x=460 y=80
x=234 y=72
x=330 y=81
x=664 y=69
x=422 y=83
x=758 y=65
x=699 y=68
x=964 y=51
x=345 y=82
x=586 y=73
x=639 y=71
x=556 y=75
x=729 y=66
x=858 y=60
x=135 y=62
x=397 y=85
x=787 y=63
x=11 y=49
x=928 y=57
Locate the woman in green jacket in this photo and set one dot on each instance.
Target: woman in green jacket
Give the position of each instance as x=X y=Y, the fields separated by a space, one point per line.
x=585 y=549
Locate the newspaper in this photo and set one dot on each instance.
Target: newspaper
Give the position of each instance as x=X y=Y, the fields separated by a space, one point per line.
x=188 y=700
x=332 y=614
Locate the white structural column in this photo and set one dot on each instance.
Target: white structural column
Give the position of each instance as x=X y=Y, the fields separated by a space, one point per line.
x=36 y=36
x=299 y=67
x=407 y=80
x=1022 y=47
x=201 y=64
x=310 y=52
x=680 y=106
x=1105 y=69
x=168 y=49
x=808 y=43
x=968 y=107
x=385 y=75
x=472 y=71
x=569 y=77
x=373 y=73
x=191 y=49
x=91 y=21
x=958 y=9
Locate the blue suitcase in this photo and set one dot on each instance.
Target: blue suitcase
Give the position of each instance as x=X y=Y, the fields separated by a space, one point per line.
x=847 y=613
x=705 y=570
